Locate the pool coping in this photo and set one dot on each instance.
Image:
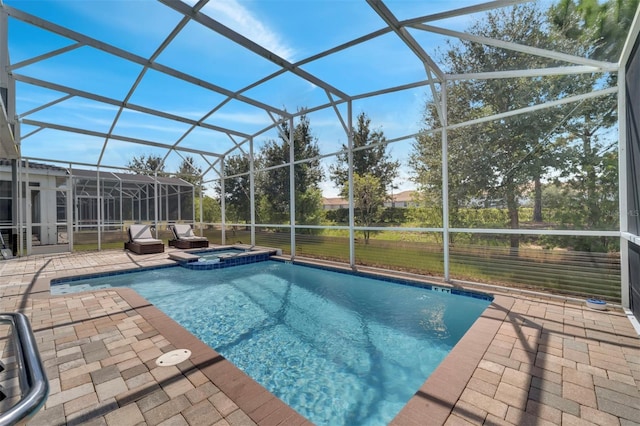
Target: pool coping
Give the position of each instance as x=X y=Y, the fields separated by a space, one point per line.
x=434 y=400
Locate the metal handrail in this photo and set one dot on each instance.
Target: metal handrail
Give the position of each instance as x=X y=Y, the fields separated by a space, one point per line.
x=33 y=380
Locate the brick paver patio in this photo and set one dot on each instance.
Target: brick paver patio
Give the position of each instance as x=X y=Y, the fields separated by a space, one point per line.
x=527 y=361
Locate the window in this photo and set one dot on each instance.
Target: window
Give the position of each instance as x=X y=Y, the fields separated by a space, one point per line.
x=6 y=202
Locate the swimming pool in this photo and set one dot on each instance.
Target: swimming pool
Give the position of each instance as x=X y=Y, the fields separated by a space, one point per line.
x=338 y=348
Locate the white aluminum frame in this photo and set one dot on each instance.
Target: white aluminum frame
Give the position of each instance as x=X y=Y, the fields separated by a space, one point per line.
x=434 y=78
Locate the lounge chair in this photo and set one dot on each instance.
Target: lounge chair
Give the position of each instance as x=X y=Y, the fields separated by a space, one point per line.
x=141 y=241
x=185 y=238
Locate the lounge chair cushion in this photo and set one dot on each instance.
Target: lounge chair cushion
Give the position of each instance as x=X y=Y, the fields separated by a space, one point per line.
x=146 y=241
x=141 y=234
x=193 y=238
x=185 y=238
x=183 y=231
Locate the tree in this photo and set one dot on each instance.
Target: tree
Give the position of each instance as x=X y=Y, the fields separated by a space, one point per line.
x=601 y=28
x=373 y=159
x=273 y=184
x=372 y=168
x=146 y=165
x=589 y=182
x=571 y=207
x=494 y=163
x=369 y=202
x=489 y=164
x=189 y=171
x=466 y=179
x=237 y=188
x=211 y=210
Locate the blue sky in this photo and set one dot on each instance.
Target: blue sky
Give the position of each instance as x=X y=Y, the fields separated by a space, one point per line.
x=294 y=30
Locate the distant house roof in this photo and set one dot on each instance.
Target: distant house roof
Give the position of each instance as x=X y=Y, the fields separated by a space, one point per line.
x=335 y=201
x=404 y=196
x=400 y=197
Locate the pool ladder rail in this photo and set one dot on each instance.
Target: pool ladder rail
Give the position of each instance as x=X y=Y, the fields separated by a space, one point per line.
x=20 y=352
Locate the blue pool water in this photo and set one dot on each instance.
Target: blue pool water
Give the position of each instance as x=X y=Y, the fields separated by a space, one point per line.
x=340 y=349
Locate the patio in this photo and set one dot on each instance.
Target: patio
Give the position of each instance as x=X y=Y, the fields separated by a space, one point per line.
x=512 y=123
x=527 y=360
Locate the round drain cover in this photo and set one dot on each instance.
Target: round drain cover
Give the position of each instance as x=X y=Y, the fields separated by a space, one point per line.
x=173 y=357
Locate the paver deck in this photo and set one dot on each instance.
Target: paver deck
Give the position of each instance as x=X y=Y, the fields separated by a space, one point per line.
x=528 y=360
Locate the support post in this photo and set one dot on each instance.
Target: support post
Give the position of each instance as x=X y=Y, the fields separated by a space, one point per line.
x=200 y=185
x=122 y=205
x=623 y=162
x=167 y=204
x=252 y=193
x=7 y=97
x=223 y=205
x=352 y=233
x=26 y=213
x=292 y=189
x=155 y=202
x=445 y=183
x=21 y=209
x=99 y=208
x=15 y=202
x=69 y=207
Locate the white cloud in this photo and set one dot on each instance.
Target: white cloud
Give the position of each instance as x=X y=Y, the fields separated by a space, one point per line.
x=237 y=17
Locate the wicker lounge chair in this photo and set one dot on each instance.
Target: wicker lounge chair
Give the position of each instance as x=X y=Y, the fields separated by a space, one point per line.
x=185 y=238
x=142 y=242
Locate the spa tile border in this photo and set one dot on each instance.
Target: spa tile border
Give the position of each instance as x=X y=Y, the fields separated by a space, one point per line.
x=226 y=262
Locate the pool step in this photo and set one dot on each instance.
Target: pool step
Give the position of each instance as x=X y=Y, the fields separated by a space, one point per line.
x=181 y=256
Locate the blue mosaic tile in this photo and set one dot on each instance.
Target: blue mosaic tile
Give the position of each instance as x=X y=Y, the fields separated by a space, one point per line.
x=226 y=262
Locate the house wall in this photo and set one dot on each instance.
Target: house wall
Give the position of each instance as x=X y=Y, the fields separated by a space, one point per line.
x=38 y=202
